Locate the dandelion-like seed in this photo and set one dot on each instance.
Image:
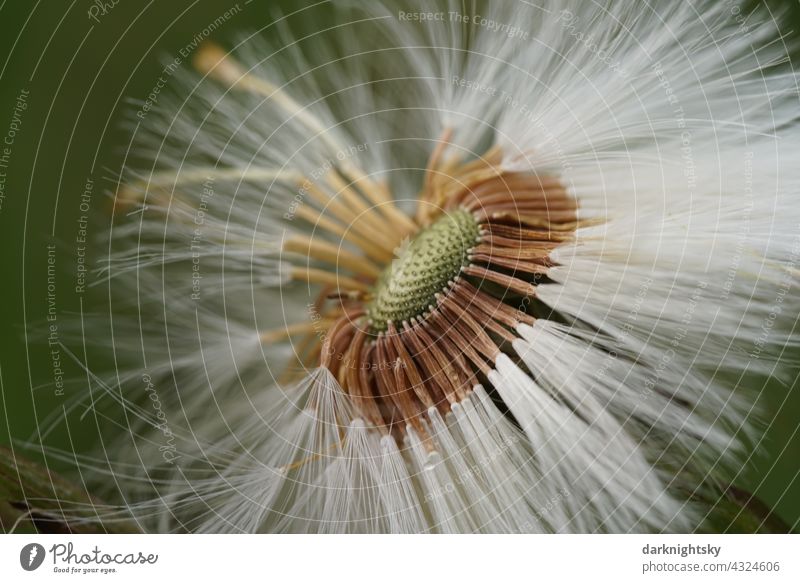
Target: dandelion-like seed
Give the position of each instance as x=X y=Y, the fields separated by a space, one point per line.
x=426 y=276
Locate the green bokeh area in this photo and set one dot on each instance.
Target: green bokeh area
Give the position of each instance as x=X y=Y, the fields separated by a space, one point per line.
x=77 y=77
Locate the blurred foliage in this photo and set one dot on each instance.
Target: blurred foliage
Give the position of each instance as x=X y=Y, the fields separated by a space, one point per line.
x=36 y=499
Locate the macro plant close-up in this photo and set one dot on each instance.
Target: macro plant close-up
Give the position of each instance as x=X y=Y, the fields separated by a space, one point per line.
x=387 y=267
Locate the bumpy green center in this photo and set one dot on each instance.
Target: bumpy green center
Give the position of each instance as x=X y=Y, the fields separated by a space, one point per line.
x=421 y=269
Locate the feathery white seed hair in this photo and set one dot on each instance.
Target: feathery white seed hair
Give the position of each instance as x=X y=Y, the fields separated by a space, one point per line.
x=673 y=124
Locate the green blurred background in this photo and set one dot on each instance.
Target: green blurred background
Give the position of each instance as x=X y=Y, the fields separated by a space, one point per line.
x=79 y=74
